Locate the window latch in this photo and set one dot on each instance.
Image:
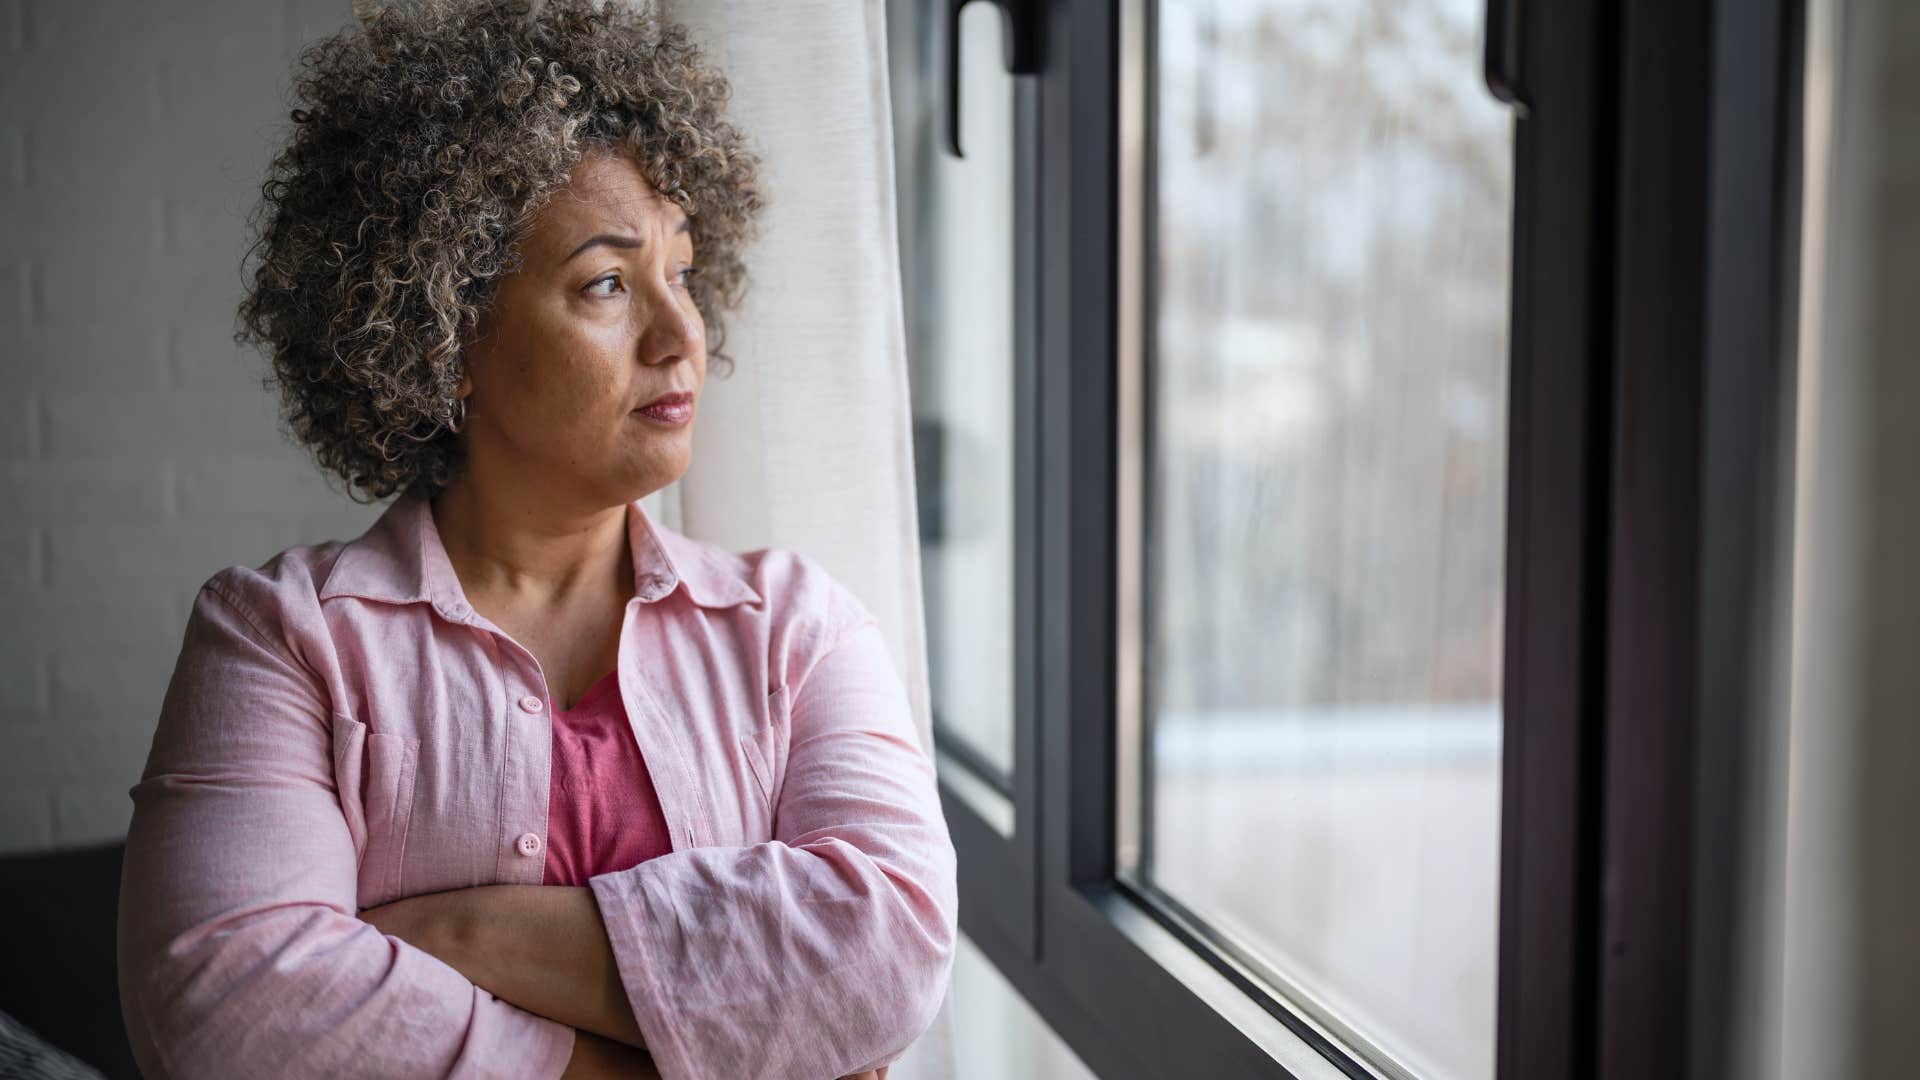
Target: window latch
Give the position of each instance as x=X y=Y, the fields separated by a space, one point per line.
x=1021 y=36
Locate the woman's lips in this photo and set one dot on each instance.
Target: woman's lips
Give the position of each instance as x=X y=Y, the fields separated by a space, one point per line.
x=673 y=409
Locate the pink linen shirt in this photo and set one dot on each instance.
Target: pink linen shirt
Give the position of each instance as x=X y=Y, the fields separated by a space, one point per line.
x=342 y=729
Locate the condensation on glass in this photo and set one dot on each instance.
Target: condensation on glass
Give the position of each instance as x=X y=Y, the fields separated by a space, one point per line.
x=956 y=237
x=1323 y=206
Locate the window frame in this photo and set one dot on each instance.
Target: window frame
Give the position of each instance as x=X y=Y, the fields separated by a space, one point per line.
x=1707 y=99
x=997 y=863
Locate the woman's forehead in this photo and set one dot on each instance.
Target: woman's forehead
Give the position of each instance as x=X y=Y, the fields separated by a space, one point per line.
x=605 y=195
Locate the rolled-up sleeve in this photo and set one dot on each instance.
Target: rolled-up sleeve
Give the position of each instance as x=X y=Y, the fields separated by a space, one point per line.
x=826 y=951
x=240 y=951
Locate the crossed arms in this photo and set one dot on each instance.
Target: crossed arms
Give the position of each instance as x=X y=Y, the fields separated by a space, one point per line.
x=242 y=950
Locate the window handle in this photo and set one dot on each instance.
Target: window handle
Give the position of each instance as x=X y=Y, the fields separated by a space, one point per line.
x=1502 y=59
x=1021 y=19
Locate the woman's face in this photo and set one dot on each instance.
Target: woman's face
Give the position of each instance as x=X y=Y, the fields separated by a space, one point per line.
x=564 y=381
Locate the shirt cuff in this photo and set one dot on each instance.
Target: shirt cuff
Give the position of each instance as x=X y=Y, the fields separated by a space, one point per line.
x=533 y=1045
x=559 y=1052
x=625 y=907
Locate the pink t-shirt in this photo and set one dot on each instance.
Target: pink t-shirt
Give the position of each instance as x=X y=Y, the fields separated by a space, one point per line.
x=602 y=812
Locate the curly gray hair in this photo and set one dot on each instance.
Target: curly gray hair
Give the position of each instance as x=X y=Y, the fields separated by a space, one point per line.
x=425 y=140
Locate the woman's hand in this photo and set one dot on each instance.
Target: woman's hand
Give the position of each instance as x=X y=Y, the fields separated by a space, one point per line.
x=595 y=1057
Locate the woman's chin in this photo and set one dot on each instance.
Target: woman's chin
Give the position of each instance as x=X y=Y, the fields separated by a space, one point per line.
x=652 y=471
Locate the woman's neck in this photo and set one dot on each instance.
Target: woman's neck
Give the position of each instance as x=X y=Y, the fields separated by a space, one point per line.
x=531 y=550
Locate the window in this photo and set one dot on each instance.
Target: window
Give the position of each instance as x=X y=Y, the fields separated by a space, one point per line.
x=958 y=253
x=967 y=247
x=1320 y=421
x=1386 y=470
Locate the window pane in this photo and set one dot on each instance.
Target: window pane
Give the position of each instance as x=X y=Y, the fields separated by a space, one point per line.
x=1325 y=495
x=956 y=239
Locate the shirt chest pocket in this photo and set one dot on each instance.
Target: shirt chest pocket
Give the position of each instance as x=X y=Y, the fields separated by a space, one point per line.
x=761 y=749
x=375 y=772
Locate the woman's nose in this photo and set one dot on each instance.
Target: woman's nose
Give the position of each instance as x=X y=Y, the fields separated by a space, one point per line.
x=673 y=328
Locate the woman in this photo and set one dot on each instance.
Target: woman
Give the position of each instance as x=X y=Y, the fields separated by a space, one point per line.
x=519 y=782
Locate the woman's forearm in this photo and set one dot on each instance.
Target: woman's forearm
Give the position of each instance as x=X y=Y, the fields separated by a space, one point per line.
x=545 y=949
x=541 y=947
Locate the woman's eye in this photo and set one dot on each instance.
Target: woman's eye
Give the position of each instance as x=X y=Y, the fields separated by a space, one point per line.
x=609 y=284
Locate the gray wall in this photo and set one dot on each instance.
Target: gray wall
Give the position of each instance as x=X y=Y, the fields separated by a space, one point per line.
x=139 y=452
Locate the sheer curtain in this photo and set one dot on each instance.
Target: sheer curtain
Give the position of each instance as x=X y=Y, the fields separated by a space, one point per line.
x=807 y=444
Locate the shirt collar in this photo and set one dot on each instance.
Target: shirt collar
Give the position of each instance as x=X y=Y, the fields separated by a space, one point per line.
x=400 y=559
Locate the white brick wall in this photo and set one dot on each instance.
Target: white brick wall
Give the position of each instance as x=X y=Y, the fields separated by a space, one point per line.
x=138 y=453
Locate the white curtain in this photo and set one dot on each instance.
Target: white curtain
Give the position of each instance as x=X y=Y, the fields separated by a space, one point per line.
x=808 y=443
x=1846 y=868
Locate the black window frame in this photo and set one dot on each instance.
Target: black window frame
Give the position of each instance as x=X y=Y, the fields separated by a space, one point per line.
x=998 y=884
x=1655 y=212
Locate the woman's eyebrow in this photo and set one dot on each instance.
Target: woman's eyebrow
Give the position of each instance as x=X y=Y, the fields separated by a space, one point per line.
x=618 y=240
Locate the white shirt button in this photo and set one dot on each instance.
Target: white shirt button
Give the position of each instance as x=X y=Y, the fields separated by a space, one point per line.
x=527 y=844
x=531 y=704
